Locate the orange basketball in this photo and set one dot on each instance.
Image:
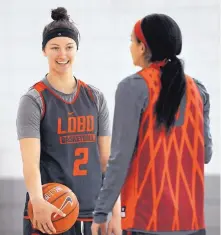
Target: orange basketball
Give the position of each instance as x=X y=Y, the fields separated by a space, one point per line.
x=64 y=199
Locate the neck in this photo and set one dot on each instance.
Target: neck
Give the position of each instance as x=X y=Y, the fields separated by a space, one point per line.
x=64 y=82
x=157 y=64
x=144 y=64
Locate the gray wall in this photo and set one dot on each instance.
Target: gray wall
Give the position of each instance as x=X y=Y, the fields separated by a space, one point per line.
x=12 y=196
x=103 y=60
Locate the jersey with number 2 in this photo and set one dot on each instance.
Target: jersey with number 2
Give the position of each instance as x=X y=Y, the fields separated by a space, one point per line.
x=69 y=151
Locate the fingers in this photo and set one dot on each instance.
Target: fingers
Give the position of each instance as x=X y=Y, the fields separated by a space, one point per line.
x=103 y=229
x=44 y=227
x=51 y=227
x=59 y=212
x=113 y=229
x=109 y=231
x=34 y=224
x=94 y=229
x=43 y=220
x=41 y=228
x=94 y=232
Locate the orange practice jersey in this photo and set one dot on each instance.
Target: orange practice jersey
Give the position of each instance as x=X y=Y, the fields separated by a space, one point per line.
x=164 y=187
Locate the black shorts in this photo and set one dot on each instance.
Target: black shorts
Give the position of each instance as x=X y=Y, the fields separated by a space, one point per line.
x=200 y=232
x=75 y=230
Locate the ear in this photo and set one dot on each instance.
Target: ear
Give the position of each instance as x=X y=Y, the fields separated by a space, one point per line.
x=143 y=48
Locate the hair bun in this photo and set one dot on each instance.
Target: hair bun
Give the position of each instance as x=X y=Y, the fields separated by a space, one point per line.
x=59 y=14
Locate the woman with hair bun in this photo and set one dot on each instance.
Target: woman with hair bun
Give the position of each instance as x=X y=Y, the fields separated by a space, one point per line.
x=64 y=133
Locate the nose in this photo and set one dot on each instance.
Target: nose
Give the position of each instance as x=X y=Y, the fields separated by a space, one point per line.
x=62 y=52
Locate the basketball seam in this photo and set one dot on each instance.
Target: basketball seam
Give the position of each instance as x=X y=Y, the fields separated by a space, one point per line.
x=56 y=198
x=59 y=197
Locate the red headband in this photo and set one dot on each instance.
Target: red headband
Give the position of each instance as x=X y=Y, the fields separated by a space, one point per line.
x=139 y=33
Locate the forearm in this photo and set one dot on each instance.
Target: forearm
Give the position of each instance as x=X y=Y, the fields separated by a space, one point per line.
x=28 y=131
x=103 y=163
x=30 y=151
x=104 y=151
x=32 y=178
x=112 y=184
x=122 y=148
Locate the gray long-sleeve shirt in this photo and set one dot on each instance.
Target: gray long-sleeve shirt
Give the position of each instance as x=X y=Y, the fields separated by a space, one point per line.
x=130 y=101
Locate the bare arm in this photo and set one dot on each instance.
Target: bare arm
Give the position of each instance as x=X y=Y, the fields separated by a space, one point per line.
x=30 y=151
x=28 y=129
x=104 y=151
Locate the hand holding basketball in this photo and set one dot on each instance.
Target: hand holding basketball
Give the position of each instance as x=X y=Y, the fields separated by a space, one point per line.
x=42 y=211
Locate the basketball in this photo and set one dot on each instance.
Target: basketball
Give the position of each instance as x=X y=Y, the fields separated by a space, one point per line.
x=64 y=199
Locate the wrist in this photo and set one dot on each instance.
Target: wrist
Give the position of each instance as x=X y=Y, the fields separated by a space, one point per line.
x=116 y=212
x=36 y=199
x=117 y=208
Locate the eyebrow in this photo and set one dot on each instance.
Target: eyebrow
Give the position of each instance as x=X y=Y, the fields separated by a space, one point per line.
x=54 y=44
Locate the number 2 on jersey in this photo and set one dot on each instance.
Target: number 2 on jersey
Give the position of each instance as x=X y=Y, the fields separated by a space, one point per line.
x=83 y=153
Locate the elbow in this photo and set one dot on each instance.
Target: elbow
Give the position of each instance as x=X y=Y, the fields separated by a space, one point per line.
x=208 y=159
x=208 y=155
x=30 y=169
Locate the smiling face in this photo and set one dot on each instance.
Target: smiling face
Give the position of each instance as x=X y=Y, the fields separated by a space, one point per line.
x=60 y=52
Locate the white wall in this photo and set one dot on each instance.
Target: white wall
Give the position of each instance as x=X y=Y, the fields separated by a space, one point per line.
x=103 y=59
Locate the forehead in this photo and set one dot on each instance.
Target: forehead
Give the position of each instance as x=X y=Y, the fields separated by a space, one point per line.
x=61 y=41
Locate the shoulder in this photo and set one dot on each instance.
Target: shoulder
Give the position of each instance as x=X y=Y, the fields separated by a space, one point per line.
x=200 y=85
x=132 y=80
x=96 y=92
x=98 y=97
x=32 y=93
x=202 y=90
x=133 y=90
x=32 y=97
x=134 y=85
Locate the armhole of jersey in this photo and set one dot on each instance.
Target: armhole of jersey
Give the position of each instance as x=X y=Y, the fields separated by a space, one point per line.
x=40 y=87
x=198 y=89
x=89 y=91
